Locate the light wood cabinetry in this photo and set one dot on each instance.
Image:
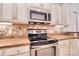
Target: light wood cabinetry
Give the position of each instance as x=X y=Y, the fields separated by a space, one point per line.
x=14 y=51
x=67 y=14
x=35 y=5
x=21 y=16
x=0 y=12
x=63 y=48
x=14 y=12
x=57 y=13
x=53 y=14
x=72 y=47
x=6 y=12
x=61 y=13
x=41 y=6
x=77 y=47
x=47 y=6
x=68 y=47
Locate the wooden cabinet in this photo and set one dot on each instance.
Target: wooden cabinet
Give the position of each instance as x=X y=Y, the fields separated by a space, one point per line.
x=68 y=47
x=35 y=5
x=72 y=47
x=61 y=13
x=53 y=14
x=57 y=13
x=76 y=47
x=67 y=14
x=14 y=51
x=47 y=6
x=22 y=12
x=63 y=48
x=0 y=11
x=6 y=11
x=12 y=12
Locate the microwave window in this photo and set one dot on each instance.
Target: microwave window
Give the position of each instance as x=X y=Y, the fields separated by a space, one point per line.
x=34 y=15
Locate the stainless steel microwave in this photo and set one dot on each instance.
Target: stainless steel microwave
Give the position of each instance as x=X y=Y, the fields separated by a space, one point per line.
x=40 y=16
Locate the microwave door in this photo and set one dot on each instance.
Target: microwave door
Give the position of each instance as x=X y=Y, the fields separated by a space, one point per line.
x=35 y=15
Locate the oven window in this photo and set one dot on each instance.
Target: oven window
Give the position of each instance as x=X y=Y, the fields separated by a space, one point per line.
x=36 y=37
x=35 y=15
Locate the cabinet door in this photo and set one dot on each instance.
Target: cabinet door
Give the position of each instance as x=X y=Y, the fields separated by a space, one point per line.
x=68 y=14
x=67 y=21
x=63 y=48
x=7 y=11
x=77 y=47
x=14 y=11
x=16 y=50
x=22 y=13
x=0 y=11
x=38 y=5
x=72 y=47
x=53 y=14
x=47 y=6
x=59 y=14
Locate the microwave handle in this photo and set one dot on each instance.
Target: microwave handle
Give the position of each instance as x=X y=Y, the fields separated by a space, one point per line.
x=49 y=16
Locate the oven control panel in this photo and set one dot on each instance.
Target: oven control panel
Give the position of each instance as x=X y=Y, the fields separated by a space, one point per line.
x=36 y=31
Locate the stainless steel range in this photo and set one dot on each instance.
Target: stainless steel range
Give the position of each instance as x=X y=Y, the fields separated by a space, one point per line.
x=40 y=44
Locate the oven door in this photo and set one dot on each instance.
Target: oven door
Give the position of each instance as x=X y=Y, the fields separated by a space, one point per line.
x=36 y=15
x=48 y=50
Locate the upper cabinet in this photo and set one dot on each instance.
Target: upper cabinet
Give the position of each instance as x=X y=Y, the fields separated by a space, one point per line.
x=0 y=12
x=34 y=5
x=68 y=14
x=13 y=12
x=57 y=14
x=21 y=13
x=46 y=6
x=61 y=13
x=6 y=11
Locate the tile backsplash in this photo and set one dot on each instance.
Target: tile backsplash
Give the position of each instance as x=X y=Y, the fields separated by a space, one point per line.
x=19 y=29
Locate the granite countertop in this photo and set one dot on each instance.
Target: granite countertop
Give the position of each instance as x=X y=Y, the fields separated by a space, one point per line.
x=16 y=41
x=64 y=36
x=24 y=40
